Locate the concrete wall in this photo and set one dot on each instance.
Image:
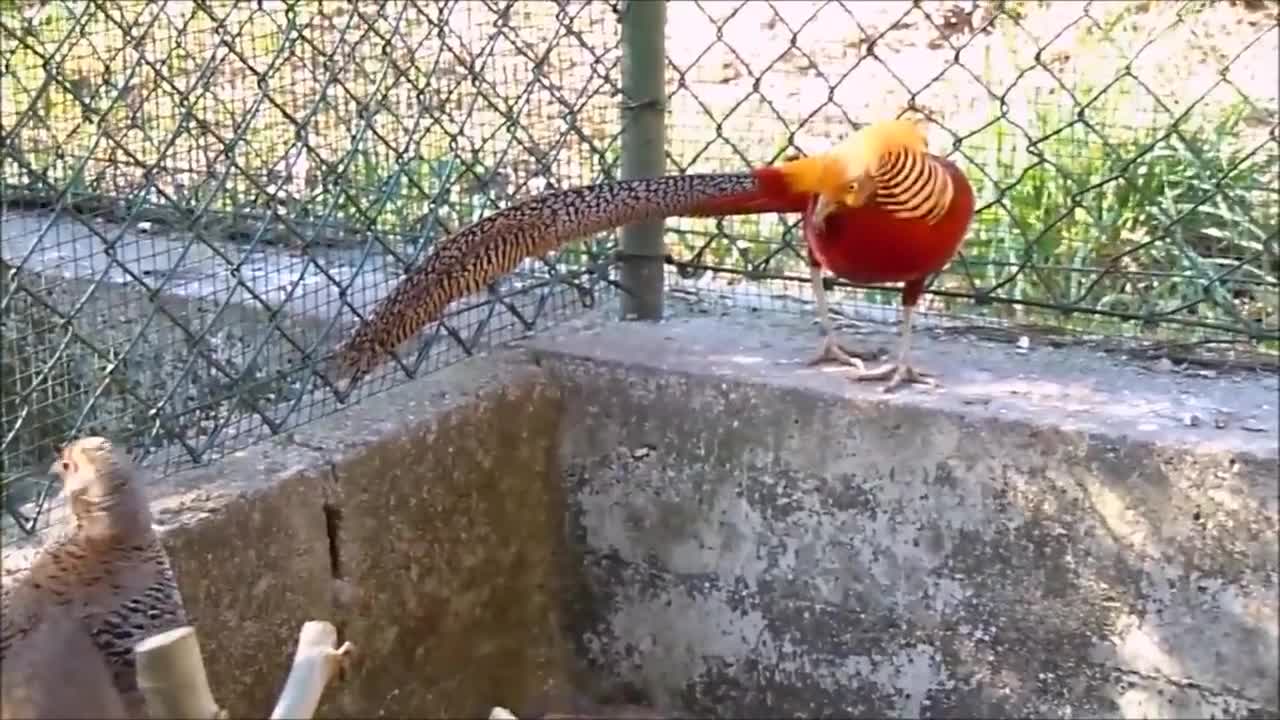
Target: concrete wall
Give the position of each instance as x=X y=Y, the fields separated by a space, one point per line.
x=699 y=516
x=767 y=540
x=427 y=524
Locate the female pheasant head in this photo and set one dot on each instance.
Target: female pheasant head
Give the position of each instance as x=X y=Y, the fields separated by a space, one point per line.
x=98 y=481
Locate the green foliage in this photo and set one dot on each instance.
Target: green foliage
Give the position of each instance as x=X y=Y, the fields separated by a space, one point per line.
x=1137 y=221
x=1086 y=211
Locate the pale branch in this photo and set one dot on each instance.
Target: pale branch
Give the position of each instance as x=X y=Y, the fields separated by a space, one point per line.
x=315 y=663
x=172 y=678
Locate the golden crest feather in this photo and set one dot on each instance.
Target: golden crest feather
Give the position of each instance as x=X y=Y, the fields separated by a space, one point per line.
x=880 y=138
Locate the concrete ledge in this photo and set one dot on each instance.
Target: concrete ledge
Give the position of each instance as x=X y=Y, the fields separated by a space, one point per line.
x=251 y=551
x=452 y=529
x=693 y=512
x=1042 y=537
x=427 y=524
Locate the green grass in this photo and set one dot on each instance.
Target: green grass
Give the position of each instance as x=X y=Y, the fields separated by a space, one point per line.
x=1160 y=224
x=1110 y=200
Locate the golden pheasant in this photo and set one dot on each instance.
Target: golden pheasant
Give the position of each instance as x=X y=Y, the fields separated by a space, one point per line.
x=57 y=672
x=877 y=208
x=110 y=574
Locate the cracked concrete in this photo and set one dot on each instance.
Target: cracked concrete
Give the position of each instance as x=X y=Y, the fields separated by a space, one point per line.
x=717 y=528
x=1044 y=536
x=426 y=524
x=450 y=534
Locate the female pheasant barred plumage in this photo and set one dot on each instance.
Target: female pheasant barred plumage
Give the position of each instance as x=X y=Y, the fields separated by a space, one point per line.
x=110 y=574
x=877 y=208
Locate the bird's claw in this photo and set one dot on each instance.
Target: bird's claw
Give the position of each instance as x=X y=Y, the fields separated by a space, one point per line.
x=897 y=375
x=833 y=351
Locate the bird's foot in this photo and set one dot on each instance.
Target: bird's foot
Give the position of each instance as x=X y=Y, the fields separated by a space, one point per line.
x=832 y=351
x=898 y=375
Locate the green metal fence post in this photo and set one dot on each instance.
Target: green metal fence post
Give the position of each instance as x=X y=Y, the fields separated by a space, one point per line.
x=644 y=154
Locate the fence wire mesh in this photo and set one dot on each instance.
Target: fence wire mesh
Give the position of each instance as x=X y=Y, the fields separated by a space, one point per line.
x=1124 y=154
x=196 y=194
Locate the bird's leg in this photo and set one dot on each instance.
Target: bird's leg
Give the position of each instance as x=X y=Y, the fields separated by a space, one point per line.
x=899 y=372
x=830 y=349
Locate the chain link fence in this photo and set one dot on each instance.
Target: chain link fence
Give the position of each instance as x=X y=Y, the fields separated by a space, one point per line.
x=196 y=194
x=1124 y=154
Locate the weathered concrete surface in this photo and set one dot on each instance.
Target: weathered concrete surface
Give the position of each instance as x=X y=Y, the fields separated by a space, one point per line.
x=452 y=529
x=1042 y=537
x=426 y=524
x=250 y=547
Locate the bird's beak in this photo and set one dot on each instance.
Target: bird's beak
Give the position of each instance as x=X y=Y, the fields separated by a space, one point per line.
x=821 y=208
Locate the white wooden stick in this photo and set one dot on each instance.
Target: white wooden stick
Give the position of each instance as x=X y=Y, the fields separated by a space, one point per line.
x=315 y=663
x=172 y=678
